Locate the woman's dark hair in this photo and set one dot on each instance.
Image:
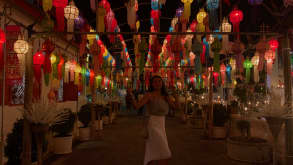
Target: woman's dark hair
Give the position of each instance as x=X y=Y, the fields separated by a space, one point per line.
x=163 y=90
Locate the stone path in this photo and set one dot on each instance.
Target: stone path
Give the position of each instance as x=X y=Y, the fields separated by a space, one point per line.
x=122 y=144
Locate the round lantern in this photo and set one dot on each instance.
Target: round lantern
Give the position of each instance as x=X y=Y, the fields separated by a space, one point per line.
x=21 y=47
x=70 y=13
x=236 y=16
x=226 y=26
x=201 y=15
x=274 y=44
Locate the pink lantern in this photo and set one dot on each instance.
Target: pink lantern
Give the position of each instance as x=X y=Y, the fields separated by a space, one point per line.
x=38 y=61
x=269 y=56
x=236 y=16
x=60 y=5
x=216 y=78
x=2 y=40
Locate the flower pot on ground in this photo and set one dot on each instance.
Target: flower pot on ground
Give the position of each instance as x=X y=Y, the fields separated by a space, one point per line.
x=220 y=118
x=63 y=134
x=84 y=116
x=246 y=148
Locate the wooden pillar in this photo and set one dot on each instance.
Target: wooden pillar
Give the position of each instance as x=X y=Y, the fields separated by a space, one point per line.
x=288 y=99
x=28 y=94
x=93 y=112
x=210 y=121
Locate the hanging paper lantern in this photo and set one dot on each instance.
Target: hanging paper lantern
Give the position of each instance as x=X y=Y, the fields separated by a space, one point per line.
x=216 y=78
x=269 y=56
x=60 y=5
x=261 y=48
x=186 y=12
x=255 y=2
x=201 y=15
x=228 y=73
x=79 y=23
x=274 y=44
x=223 y=73
x=47 y=5
x=233 y=66
x=179 y=12
x=38 y=60
x=21 y=47
x=216 y=47
x=2 y=41
x=237 y=49
x=71 y=12
x=247 y=65
x=225 y=27
x=212 y=6
x=255 y=61
x=236 y=16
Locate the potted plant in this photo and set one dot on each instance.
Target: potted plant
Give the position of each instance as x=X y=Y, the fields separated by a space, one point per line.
x=63 y=134
x=99 y=116
x=220 y=117
x=84 y=116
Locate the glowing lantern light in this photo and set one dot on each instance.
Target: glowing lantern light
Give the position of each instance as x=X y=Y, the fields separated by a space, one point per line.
x=200 y=26
x=269 y=56
x=223 y=73
x=274 y=44
x=53 y=58
x=91 y=37
x=71 y=12
x=186 y=12
x=255 y=61
x=216 y=76
x=77 y=73
x=247 y=65
x=2 y=41
x=38 y=60
x=21 y=46
x=236 y=16
x=225 y=27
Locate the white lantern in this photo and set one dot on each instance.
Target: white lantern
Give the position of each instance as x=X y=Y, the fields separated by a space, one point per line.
x=71 y=12
x=210 y=39
x=255 y=62
x=226 y=26
x=21 y=47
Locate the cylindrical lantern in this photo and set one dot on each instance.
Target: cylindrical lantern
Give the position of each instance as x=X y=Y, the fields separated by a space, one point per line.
x=71 y=12
x=212 y=6
x=38 y=60
x=236 y=16
x=186 y=12
x=225 y=27
x=269 y=56
x=2 y=41
x=255 y=61
x=60 y=5
x=223 y=73
x=247 y=65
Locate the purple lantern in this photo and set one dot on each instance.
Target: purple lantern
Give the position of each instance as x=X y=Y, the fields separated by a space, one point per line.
x=255 y=2
x=79 y=22
x=179 y=11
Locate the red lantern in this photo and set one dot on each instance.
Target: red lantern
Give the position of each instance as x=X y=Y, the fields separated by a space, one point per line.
x=216 y=75
x=155 y=14
x=106 y=5
x=236 y=16
x=176 y=48
x=193 y=26
x=2 y=40
x=92 y=77
x=60 y=5
x=60 y=67
x=47 y=47
x=274 y=44
x=38 y=61
x=156 y=49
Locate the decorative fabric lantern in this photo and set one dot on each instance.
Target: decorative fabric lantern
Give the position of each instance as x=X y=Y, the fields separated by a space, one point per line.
x=21 y=46
x=2 y=41
x=179 y=13
x=255 y=2
x=274 y=44
x=60 y=5
x=228 y=72
x=269 y=56
x=223 y=73
x=216 y=78
x=200 y=26
x=237 y=49
x=47 y=5
x=255 y=61
x=71 y=12
x=236 y=16
x=261 y=48
x=38 y=61
x=216 y=48
x=187 y=4
x=131 y=13
x=233 y=66
x=225 y=27
x=247 y=65
x=212 y=6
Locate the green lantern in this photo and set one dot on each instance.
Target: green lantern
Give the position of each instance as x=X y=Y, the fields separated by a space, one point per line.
x=216 y=47
x=247 y=65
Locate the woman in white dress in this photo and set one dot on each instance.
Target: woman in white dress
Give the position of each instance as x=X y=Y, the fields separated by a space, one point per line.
x=157 y=103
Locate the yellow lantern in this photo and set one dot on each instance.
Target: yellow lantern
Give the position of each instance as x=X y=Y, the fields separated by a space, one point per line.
x=47 y=5
x=255 y=62
x=233 y=66
x=186 y=12
x=226 y=26
x=53 y=58
x=91 y=37
x=70 y=13
x=201 y=15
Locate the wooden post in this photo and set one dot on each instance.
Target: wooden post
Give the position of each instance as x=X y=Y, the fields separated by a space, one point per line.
x=210 y=121
x=28 y=94
x=288 y=99
x=93 y=112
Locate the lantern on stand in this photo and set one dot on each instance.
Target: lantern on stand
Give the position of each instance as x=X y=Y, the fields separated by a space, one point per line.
x=247 y=65
x=71 y=12
x=223 y=73
x=38 y=61
x=236 y=16
x=60 y=5
x=212 y=6
x=200 y=26
x=2 y=41
x=255 y=61
x=186 y=12
x=225 y=27
x=21 y=48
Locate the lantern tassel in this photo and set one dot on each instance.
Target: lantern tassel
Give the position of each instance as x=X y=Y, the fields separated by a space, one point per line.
x=60 y=18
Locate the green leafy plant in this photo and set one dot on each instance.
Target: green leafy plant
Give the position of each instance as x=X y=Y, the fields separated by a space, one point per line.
x=65 y=128
x=84 y=115
x=220 y=115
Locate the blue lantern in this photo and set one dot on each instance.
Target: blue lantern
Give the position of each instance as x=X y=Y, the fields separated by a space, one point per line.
x=155 y=4
x=212 y=6
x=179 y=11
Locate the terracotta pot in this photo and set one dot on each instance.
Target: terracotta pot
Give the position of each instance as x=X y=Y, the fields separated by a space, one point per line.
x=84 y=134
x=62 y=145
